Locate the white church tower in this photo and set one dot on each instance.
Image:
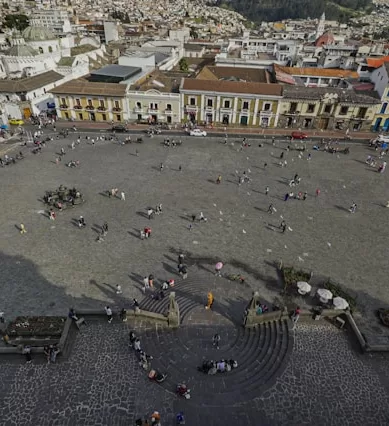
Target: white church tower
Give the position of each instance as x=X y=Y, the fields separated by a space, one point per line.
x=321 y=26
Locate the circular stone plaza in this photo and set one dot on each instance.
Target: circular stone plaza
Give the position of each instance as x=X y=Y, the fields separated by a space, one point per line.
x=315 y=374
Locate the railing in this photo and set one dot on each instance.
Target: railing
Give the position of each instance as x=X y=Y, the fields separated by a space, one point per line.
x=64 y=106
x=138 y=110
x=90 y=107
x=168 y=111
x=152 y=110
x=78 y=107
x=116 y=109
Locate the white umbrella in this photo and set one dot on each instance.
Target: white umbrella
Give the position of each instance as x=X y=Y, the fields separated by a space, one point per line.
x=303 y=287
x=324 y=294
x=340 y=303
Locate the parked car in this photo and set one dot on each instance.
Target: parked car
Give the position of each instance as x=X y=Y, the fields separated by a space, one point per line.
x=197 y=132
x=119 y=128
x=298 y=135
x=16 y=122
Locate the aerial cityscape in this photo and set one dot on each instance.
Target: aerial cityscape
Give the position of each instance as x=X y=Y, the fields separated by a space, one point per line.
x=193 y=213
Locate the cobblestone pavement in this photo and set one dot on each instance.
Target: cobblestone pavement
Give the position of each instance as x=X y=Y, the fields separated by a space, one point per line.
x=325 y=383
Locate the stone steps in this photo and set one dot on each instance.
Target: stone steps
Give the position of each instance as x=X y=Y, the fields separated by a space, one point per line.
x=261 y=354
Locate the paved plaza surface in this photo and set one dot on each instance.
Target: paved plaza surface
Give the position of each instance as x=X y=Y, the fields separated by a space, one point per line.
x=318 y=378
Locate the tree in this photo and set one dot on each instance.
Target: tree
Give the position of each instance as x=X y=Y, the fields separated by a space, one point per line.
x=193 y=33
x=183 y=64
x=18 y=22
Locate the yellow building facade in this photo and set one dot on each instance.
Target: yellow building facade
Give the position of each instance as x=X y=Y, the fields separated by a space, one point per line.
x=82 y=100
x=230 y=103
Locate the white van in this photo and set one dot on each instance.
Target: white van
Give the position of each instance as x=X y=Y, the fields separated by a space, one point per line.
x=379 y=140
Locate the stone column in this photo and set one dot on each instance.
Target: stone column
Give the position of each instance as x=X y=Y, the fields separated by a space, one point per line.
x=251 y=311
x=173 y=316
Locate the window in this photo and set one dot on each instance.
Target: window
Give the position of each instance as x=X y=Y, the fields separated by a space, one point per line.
x=63 y=101
x=192 y=101
x=227 y=104
x=90 y=102
x=209 y=103
x=78 y=102
x=153 y=105
x=80 y=116
x=67 y=116
x=383 y=108
x=7 y=97
x=327 y=109
x=169 y=107
x=362 y=112
x=117 y=105
x=311 y=108
x=267 y=106
x=139 y=105
x=50 y=49
x=293 y=107
x=40 y=50
x=104 y=117
x=343 y=110
x=34 y=95
x=245 y=105
x=169 y=119
x=118 y=117
x=102 y=103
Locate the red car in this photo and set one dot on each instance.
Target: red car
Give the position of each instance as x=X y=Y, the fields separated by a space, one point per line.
x=298 y=135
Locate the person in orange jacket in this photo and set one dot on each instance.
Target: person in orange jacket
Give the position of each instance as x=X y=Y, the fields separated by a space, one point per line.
x=209 y=300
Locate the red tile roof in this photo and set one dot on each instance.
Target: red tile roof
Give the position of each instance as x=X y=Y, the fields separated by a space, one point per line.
x=377 y=62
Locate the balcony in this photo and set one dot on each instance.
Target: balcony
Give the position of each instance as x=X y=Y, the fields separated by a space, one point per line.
x=138 y=110
x=292 y=112
x=152 y=111
x=191 y=109
x=63 y=106
x=90 y=108
x=168 y=111
x=78 y=107
x=225 y=110
x=102 y=108
x=244 y=111
x=116 y=109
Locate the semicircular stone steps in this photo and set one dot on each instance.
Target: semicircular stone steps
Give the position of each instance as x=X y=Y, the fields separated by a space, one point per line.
x=261 y=353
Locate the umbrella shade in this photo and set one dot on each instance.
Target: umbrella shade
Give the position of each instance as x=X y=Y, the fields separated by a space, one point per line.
x=324 y=293
x=340 y=303
x=218 y=266
x=304 y=286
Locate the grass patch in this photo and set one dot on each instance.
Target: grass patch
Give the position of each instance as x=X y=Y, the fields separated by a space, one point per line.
x=292 y=276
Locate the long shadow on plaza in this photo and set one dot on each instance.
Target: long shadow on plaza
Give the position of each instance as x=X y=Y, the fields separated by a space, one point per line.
x=25 y=291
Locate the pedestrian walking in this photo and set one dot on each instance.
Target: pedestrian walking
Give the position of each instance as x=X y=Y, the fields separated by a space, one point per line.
x=93 y=142
x=286 y=197
x=118 y=289
x=52 y=214
x=123 y=315
x=81 y=222
x=22 y=229
x=305 y=195
x=202 y=218
x=183 y=270
x=161 y=167
x=353 y=208
x=219 y=179
x=267 y=190
x=123 y=196
x=265 y=165
x=180 y=168
x=295 y=317
x=73 y=145
x=149 y=213
x=216 y=340
x=270 y=210
x=317 y=192
x=193 y=217
x=108 y=311
x=181 y=259
x=210 y=300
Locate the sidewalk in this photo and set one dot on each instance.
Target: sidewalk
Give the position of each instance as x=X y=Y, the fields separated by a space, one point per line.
x=312 y=133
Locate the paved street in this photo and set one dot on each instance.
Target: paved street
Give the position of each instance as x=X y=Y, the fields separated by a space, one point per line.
x=57 y=265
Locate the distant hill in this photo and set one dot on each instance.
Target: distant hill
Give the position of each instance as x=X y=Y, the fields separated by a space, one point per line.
x=275 y=10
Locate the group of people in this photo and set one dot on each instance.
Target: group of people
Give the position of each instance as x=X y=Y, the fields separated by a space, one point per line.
x=213 y=367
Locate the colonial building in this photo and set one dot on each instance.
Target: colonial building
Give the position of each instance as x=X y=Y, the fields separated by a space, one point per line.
x=84 y=100
x=230 y=102
x=156 y=99
x=327 y=108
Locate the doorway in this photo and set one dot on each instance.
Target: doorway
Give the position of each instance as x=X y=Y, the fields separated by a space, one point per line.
x=92 y=116
x=154 y=119
x=244 y=120
x=386 y=125
x=209 y=118
x=226 y=119
x=323 y=123
x=377 y=124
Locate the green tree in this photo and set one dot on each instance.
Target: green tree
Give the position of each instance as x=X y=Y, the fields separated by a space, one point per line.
x=18 y=22
x=183 y=64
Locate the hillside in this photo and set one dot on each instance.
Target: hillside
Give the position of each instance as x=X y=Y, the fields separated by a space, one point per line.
x=275 y=10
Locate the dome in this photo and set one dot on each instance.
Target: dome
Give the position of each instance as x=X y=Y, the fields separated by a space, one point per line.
x=22 y=50
x=38 y=34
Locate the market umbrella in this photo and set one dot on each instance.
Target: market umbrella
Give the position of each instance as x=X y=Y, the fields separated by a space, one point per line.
x=324 y=294
x=219 y=266
x=340 y=303
x=303 y=287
